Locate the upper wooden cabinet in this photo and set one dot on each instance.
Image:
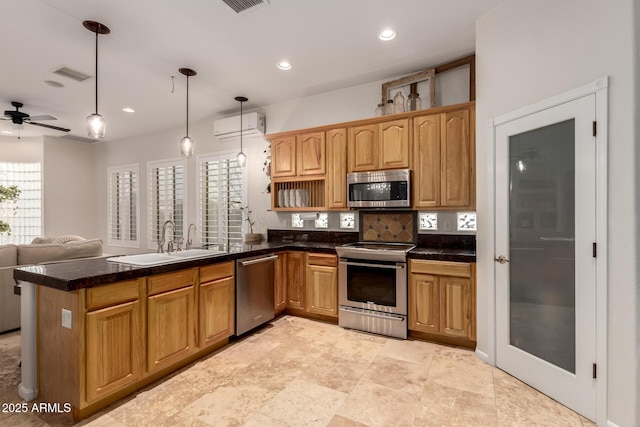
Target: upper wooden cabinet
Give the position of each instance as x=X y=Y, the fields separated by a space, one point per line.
x=444 y=160
x=337 y=169
x=377 y=146
x=283 y=156
x=311 y=154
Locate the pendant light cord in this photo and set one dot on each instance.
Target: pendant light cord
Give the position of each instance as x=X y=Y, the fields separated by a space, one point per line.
x=241 y=102
x=187 y=106
x=96 y=72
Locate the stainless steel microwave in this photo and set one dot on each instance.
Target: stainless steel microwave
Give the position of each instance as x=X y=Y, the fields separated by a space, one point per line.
x=379 y=189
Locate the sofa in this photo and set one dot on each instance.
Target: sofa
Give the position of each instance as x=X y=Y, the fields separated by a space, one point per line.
x=40 y=251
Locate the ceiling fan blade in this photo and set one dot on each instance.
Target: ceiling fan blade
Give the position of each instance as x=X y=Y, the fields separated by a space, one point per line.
x=50 y=126
x=41 y=118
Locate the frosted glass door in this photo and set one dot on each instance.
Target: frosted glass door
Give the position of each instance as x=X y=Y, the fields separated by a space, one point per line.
x=545 y=271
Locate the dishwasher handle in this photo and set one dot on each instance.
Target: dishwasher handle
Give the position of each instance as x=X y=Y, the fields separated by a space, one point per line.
x=258 y=260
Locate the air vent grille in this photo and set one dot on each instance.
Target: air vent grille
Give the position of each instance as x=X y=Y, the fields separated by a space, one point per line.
x=242 y=5
x=71 y=74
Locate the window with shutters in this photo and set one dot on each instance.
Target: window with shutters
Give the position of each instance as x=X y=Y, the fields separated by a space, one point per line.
x=24 y=217
x=221 y=195
x=124 y=221
x=167 y=200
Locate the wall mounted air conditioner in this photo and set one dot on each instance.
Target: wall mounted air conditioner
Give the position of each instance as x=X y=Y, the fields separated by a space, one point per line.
x=253 y=124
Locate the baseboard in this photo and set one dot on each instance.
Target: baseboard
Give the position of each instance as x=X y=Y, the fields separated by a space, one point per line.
x=482 y=356
x=611 y=424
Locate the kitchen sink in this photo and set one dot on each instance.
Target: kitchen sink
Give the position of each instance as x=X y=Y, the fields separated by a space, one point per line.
x=151 y=259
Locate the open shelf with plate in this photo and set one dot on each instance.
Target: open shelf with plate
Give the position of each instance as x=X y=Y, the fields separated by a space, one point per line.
x=299 y=195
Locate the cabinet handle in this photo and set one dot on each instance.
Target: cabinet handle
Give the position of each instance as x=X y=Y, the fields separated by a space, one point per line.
x=256 y=261
x=362 y=264
x=366 y=313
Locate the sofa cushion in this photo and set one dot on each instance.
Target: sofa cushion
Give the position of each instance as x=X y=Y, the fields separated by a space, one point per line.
x=8 y=255
x=39 y=240
x=46 y=252
x=67 y=238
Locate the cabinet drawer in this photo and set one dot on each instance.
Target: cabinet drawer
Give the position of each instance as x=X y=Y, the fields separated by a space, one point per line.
x=441 y=268
x=322 y=259
x=170 y=281
x=108 y=295
x=215 y=272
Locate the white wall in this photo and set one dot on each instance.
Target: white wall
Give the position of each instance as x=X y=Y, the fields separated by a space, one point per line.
x=23 y=150
x=69 y=194
x=526 y=52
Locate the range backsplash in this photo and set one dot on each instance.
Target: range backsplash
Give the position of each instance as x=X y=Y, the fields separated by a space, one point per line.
x=397 y=227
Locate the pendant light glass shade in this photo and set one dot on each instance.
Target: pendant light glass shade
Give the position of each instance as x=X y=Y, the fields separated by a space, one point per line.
x=186 y=143
x=241 y=158
x=96 y=124
x=186 y=146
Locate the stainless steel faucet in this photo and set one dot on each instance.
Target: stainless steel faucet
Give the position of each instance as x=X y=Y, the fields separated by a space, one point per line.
x=189 y=242
x=164 y=233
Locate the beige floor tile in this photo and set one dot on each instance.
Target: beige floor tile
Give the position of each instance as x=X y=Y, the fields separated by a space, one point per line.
x=461 y=374
x=104 y=420
x=339 y=421
x=519 y=404
x=377 y=405
x=450 y=407
x=22 y=420
x=333 y=371
x=356 y=348
x=586 y=422
x=323 y=332
x=259 y=419
x=398 y=374
x=303 y=403
x=409 y=350
x=229 y=405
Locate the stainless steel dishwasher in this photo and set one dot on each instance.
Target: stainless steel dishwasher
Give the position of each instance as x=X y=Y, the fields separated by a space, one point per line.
x=254 y=291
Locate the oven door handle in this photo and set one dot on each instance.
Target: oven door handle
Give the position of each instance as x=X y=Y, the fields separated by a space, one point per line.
x=370 y=314
x=362 y=264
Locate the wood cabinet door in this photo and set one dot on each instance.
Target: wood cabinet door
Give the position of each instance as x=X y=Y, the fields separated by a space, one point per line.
x=295 y=279
x=424 y=303
x=337 y=168
x=457 y=310
x=394 y=144
x=217 y=311
x=455 y=186
x=322 y=290
x=283 y=157
x=170 y=328
x=311 y=154
x=114 y=349
x=363 y=148
x=426 y=161
x=280 y=283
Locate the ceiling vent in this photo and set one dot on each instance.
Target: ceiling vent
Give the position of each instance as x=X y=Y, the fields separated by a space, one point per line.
x=71 y=74
x=79 y=138
x=243 y=5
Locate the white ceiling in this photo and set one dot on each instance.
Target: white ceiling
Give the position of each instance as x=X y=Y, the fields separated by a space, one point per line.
x=332 y=44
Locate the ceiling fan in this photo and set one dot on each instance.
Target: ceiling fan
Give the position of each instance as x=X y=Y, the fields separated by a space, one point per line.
x=17 y=117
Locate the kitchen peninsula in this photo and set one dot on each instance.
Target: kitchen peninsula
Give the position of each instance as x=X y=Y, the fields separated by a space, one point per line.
x=129 y=326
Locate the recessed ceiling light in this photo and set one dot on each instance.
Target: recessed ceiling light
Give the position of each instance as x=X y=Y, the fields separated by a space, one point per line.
x=53 y=83
x=387 y=34
x=128 y=110
x=284 y=65
x=7 y=132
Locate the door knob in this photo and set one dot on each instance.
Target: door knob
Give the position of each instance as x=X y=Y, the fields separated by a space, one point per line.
x=502 y=260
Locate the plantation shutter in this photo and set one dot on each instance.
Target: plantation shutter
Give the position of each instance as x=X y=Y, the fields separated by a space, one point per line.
x=123 y=221
x=167 y=199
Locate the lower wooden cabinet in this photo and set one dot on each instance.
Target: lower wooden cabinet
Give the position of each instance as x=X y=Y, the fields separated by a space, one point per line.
x=216 y=303
x=171 y=328
x=114 y=350
x=295 y=279
x=322 y=284
x=442 y=298
x=280 y=283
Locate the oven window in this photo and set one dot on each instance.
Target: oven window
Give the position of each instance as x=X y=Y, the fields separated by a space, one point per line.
x=371 y=285
x=378 y=191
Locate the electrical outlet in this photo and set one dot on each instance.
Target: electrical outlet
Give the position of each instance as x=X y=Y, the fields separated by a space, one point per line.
x=66 y=318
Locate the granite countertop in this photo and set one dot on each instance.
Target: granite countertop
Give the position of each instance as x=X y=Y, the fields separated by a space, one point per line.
x=87 y=273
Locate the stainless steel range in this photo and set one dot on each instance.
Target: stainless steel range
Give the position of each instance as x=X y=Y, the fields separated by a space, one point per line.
x=372 y=287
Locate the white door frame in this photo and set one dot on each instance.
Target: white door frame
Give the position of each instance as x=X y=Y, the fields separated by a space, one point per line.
x=598 y=87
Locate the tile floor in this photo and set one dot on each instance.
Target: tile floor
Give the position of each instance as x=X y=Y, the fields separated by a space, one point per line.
x=299 y=372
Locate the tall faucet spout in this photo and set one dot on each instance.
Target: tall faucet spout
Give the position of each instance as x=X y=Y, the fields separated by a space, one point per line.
x=164 y=233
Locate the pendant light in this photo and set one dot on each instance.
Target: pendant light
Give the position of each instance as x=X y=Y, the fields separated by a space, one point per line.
x=241 y=158
x=96 y=125
x=186 y=143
